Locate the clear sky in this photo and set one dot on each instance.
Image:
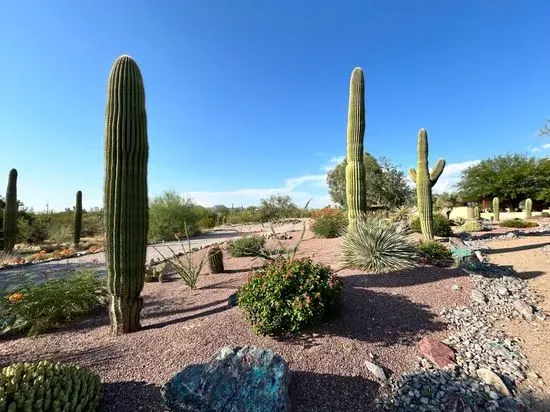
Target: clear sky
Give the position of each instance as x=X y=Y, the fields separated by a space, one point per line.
x=246 y=98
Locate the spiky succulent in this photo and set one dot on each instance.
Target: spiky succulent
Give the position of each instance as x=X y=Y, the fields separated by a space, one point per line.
x=215 y=259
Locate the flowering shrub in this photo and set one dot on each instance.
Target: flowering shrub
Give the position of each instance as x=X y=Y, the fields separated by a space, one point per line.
x=329 y=222
x=287 y=295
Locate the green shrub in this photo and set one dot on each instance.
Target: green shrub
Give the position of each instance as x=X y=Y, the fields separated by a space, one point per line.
x=376 y=245
x=48 y=386
x=435 y=250
x=441 y=225
x=288 y=295
x=245 y=246
x=545 y=214
x=329 y=224
x=37 y=308
x=169 y=213
x=60 y=234
x=517 y=223
x=471 y=226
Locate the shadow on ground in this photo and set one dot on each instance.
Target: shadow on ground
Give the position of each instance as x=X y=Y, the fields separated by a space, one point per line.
x=515 y=248
x=130 y=396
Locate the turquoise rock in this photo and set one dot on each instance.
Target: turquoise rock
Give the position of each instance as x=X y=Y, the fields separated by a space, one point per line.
x=236 y=379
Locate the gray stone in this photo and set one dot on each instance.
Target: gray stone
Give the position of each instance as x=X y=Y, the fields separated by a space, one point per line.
x=491 y=378
x=478 y=296
x=376 y=370
x=237 y=378
x=523 y=308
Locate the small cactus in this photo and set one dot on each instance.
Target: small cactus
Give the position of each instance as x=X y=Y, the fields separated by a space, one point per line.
x=10 y=213
x=528 y=208
x=496 y=209
x=215 y=259
x=425 y=180
x=355 y=170
x=77 y=225
x=477 y=214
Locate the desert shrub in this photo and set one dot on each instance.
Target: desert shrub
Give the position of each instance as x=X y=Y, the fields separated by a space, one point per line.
x=441 y=225
x=517 y=223
x=471 y=226
x=245 y=246
x=545 y=214
x=287 y=295
x=277 y=207
x=37 y=308
x=403 y=213
x=329 y=222
x=93 y=224
x=60 y=234
x=435 y=250
x=208 y=221
x=376 y=245
x=459 y=221
x=169 y=213
x=48 y=386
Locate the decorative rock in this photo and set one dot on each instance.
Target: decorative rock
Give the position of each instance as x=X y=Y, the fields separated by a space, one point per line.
x=376 y=370
x=236 y=379
x=232 y=300
x=456 y=288
x=478 y=296
x=437 y=352
x=523 y=308
x=491 y=378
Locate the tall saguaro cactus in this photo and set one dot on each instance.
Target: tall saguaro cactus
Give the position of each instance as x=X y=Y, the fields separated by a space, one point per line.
x=528 y=208
x=355 y=170
x=77 y=226
x=10 y=212
x=425 y=180
x=496 y=209
x=125 y=196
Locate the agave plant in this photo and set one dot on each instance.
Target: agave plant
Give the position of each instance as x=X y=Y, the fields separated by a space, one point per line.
x=376 y=245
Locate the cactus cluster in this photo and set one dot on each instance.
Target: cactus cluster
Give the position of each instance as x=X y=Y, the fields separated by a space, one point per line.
x=10 y=213
x=355 y=170
x=48 y=386
x=496 y=209
x=528 y=208
x=77 y=226
x=215 y=259
x=125 y=197
x=425 y=180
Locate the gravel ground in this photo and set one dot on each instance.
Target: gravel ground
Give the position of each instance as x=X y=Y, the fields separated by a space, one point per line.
x=383 y=317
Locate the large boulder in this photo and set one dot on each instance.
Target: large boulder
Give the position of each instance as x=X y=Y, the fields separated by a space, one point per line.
x=237 y=378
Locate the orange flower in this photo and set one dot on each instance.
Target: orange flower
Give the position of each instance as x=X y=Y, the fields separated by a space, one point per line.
x=15 y=297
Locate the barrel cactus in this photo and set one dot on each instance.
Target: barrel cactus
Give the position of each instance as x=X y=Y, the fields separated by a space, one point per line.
x=496 y=209
x=77 y=226
x=10 y=212
x=215 y=259
x=48 y=386
x=355 y=170
x=528 y=208
x=425 y=180
x=125 y=197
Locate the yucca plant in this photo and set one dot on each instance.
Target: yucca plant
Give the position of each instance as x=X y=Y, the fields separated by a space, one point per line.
x=376 y=245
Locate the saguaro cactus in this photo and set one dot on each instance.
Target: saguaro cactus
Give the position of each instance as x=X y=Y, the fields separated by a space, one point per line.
x=77 y=226
x=424 y=182
x=355 y=170
x=125 y=197
x=496 y=209
x=10 y=212
x=528 y=208
x=477 y=215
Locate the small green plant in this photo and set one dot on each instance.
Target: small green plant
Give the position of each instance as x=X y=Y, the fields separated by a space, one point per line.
x=441 y=225
x=517 y=223
x=402 y=213
x=471 y=226
x=435 y=250
x=48 y=386
x=459 y=221
x=154 y=273
x=330 y=223
x=545 y=214
x=377 y=246
x=215 y=259
x=40 y=307
x=288 y=295
x=246 y=246
x=60 y=234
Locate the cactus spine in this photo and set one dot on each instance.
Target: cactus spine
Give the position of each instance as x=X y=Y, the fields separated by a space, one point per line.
x=77 y=226
x=528 y=208
x=355 y=170
x=496 y=209
x=10 y=212
x=215 y=259
x=476 y=213
x=125 y=196
x=424 y=182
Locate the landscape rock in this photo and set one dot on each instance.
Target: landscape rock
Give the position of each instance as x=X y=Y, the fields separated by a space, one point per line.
x=491 y=378
x=237 y=378
x=376 y=370
x=523 y=308
x=478 y=296
x=437 y=352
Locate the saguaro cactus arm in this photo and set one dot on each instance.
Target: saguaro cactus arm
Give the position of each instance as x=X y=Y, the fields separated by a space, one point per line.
x=412 y=174
x=437 y=170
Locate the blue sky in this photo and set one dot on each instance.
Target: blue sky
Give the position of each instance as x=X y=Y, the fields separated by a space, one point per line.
x=248 y=98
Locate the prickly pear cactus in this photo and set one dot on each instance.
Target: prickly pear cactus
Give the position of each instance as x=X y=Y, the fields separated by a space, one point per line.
x=10 y=213
x=125 y=197
x=77 y=225
x=528 y=208
x=425 y=180
x=496 y=209
x=215 y=259
x=355 y=170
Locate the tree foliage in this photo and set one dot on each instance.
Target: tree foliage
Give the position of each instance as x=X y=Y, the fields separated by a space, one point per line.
x=511 y=177
x=386 y=185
